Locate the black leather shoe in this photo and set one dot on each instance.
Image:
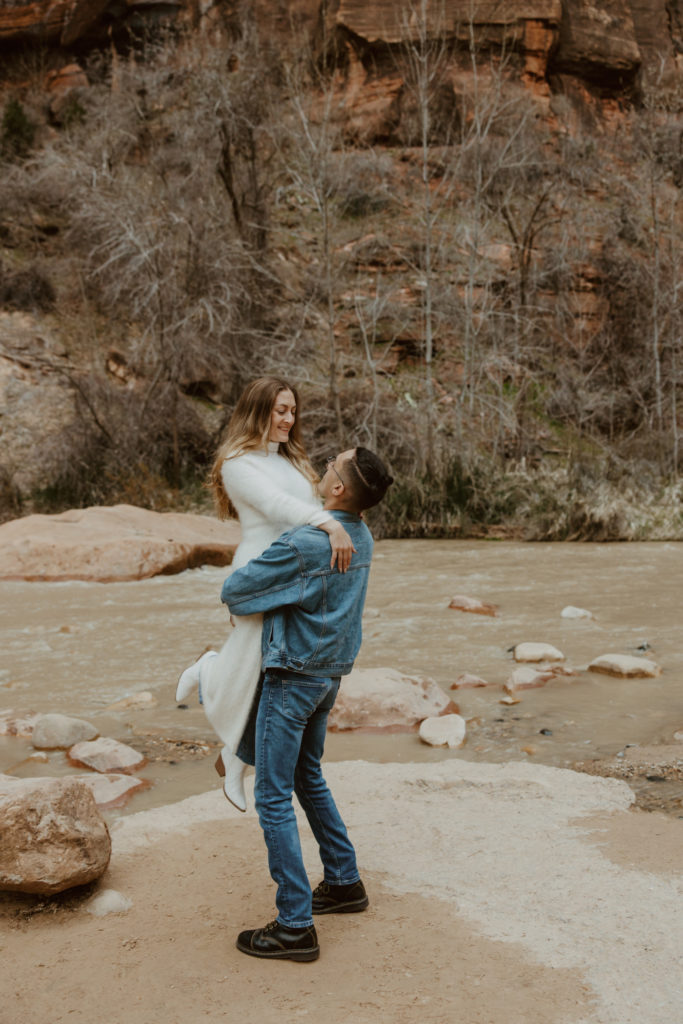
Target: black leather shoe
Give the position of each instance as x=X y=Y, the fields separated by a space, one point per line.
x=278 y=942
x=339 y=899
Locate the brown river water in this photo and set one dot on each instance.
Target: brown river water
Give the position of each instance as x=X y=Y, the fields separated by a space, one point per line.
x=78 y=647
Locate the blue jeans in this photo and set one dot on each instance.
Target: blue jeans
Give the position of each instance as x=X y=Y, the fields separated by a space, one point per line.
x=284 y=740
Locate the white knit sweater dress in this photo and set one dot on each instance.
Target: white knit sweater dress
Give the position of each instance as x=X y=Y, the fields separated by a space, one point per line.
x=270 y=496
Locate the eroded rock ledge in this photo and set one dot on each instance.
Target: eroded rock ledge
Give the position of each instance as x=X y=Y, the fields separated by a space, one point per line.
x=106 y=545
x=601 y=44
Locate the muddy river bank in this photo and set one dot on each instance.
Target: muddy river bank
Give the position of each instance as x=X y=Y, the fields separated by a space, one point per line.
x=77 y=648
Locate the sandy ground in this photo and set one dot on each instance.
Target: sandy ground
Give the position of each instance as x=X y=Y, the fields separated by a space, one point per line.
x=500 y=894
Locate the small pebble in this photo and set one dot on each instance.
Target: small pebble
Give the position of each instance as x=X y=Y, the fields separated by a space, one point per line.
x=546 y=732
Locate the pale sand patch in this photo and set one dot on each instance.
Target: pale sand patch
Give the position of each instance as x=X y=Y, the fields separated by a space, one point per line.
x=491 y=904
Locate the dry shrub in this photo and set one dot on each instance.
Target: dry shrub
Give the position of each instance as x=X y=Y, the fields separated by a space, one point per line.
x=125 y=445
x=29 y=290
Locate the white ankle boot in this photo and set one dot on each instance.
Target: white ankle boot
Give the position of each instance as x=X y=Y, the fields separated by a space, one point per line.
x=230 y=766
x=189 y=680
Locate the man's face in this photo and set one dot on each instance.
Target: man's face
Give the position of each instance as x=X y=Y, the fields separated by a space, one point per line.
x=334 y=474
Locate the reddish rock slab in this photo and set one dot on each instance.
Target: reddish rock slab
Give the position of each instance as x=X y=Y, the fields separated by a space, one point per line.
x=467 y=681
x=472 y=604
x=383 y=699
x=624 y=666
x=109 y=544
x=106 y=755
x=71 y=76
x=53 y=837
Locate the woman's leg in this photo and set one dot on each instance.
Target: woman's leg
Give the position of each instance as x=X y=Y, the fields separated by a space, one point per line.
x=228 y=686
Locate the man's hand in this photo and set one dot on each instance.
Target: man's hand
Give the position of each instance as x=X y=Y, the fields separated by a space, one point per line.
x=342 y=547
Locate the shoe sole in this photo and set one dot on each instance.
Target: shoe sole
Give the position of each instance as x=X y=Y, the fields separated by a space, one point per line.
x=300 y=955
x=354 y=907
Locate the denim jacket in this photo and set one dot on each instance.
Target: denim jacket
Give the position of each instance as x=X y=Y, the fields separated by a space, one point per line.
x=312 y=614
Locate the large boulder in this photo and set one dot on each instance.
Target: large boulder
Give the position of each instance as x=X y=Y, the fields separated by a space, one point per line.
x=58 y=732
x=51 y=835
x=598 y=41
x=112 y=544
x=379 y=699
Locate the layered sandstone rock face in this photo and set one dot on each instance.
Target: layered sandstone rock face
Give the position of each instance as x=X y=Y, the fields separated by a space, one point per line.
x=66 y=22
x=590 y=52
x=494 y=21
x=49 y=21
x=605 y=43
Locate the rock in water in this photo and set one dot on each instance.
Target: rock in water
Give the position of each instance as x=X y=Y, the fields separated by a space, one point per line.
x=17 y=723
x=111 y=789
x=53 y=837
x=472 y=604
x=571 y=612
x=524 y=677
x=446 y=731
x=537 y=652
x=383 y=698
x=625 y=666
x=53 y=732
x=106 y=755
x=468 y=681
x=134 y=702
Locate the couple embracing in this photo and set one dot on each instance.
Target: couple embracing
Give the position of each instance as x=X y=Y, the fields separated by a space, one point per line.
x=296 y=598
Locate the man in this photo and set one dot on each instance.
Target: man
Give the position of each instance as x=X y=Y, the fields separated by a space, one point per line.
x=311 y=636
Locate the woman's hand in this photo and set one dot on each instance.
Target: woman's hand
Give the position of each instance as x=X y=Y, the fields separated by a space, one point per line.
x=341 y=543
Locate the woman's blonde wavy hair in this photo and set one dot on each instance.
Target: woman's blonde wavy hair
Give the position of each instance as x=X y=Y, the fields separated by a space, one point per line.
x=249 y=430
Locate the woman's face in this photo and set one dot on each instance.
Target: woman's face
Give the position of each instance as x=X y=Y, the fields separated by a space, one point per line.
x=282 y=417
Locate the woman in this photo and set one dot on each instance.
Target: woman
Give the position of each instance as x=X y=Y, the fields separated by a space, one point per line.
x=262 y=476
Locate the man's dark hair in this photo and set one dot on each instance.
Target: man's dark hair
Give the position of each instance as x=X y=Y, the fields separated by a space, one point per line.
x=369 y=478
